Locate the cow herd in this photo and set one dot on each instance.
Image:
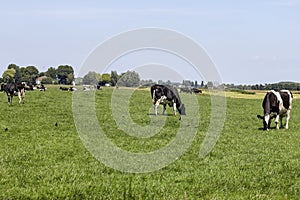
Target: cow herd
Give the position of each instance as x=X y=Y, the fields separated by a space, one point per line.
x=276 y=104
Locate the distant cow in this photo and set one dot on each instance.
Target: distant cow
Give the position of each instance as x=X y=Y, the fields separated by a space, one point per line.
x=42 y=88
x=30 y=87
x=68 y=89
x=164 y=95
x=64 y=88
x=190 y=90
x=276 y=105
x=197 y=91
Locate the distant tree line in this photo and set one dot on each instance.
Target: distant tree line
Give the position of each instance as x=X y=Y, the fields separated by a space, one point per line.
x=267 y=86
x=127 y=79
x=64 y=74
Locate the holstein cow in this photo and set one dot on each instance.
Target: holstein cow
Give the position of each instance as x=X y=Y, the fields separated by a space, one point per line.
x=276 y=104
x=11 y=89
x=164 y=95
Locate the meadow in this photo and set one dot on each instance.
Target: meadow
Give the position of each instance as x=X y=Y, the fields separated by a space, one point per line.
x=43 y=157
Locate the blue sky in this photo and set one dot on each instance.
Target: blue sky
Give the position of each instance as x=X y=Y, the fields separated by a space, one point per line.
x=250 y=42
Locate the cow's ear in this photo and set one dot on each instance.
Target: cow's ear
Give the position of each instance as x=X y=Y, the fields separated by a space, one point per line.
x=259 y=117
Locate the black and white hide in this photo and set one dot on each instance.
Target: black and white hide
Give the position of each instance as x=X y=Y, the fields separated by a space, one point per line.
x=276 y=104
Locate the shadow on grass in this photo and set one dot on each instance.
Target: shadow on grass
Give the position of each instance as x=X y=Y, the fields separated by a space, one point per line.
x=152 y=114
x=262 y=129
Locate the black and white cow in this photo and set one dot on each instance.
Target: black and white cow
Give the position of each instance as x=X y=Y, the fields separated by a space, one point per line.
x=12 y=89
x=9 y=89
x=276 y=104
x=162 y=94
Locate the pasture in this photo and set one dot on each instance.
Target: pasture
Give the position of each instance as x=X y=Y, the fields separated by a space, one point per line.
x=43 y=157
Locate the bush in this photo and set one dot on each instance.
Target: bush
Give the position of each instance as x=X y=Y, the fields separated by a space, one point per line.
x=242 y=91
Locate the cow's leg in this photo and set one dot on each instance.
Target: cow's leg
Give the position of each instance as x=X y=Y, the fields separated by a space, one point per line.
x=9 y=98
x=280 y=120
x=155 y=106
x=164 y=109
x=287 y=119
x=276 y=121
x=20 y=97
x=174 y=108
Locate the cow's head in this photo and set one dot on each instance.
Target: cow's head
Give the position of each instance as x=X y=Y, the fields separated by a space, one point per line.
x=181 y=109
x=266 y=120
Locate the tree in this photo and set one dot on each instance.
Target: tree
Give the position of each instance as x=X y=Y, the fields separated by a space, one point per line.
x=90 y=78
x=47 y=80
x=114 y=77
x=8 y=75
x=51 y=72
x=65 y=74
x=70 y=78
x=17 y=76
x=130 y=79
x=29 y=74
x=210 y=85
x=105 y=78
x=98 y=77
x=202 y=84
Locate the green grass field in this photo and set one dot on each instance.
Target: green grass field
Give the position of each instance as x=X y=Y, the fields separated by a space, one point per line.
x=39 y=160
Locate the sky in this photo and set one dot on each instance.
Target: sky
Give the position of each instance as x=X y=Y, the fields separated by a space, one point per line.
x=250 y=42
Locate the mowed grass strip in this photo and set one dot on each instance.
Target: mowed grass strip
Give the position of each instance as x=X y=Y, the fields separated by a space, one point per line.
x=41 y=160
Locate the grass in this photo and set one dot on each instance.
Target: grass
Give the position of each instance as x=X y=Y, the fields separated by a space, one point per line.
x=39 y=160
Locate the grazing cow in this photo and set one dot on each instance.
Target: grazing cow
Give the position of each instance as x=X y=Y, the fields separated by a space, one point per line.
x=197 y=91
x=164 y=95
x=10 y=89
x=276 y=104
